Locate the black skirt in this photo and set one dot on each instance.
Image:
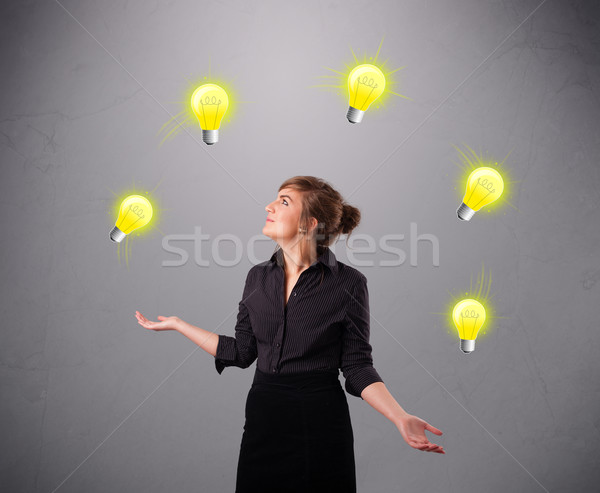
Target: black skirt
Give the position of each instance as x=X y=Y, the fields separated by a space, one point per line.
x=297 y=436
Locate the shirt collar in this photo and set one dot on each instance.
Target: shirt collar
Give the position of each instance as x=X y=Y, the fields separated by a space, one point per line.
x=326 y=258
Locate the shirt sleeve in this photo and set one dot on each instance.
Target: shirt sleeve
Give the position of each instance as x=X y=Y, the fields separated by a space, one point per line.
x=356 y=361
x=239 y=350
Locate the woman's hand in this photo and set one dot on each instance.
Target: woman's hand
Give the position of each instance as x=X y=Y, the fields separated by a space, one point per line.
x=413 y=429
x=166 y=323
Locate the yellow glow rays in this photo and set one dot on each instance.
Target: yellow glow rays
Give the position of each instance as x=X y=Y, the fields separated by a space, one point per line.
x=116 y=210
x=364 y=84
x=187 y=117
x=471 y=311
x=484 y=182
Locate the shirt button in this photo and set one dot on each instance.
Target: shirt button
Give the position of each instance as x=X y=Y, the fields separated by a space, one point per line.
x=277 y=344
x=274 y=370
x=294 y=293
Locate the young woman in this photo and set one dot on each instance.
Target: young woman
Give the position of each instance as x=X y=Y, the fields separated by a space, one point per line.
x=303 y=316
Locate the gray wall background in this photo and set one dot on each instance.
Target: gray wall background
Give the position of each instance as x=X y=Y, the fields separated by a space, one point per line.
x=91 y=401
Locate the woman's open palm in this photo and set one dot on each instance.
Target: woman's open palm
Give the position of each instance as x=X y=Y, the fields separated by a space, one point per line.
x=413 y=429
x=166 y=323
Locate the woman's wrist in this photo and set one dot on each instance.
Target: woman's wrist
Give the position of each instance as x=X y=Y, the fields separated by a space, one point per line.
x=180 y=325
x=400 y=418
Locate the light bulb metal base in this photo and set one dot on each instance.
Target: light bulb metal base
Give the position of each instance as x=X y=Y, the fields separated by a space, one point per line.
x=467 y=345
x=117 y=235
x=354 y=115
x=464 y=212
x=210 y=137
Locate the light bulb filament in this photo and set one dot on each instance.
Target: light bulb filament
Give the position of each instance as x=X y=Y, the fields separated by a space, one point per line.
x=465 y=315
x=367 y=83
x=208 y=101
x=487 y=185
x=135 y=209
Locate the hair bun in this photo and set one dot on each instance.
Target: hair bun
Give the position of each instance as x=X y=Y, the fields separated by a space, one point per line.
x=350 y=218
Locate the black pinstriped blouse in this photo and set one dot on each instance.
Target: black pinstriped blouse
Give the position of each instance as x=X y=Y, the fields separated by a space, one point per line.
x=324 y=326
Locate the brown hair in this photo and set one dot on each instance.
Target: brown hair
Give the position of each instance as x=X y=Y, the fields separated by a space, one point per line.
x=321 y=201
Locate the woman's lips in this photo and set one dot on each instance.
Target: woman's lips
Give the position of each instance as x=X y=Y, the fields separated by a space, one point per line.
x=270 y=220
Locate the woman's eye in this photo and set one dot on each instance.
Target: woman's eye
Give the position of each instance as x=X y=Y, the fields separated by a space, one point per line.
x=285 y=201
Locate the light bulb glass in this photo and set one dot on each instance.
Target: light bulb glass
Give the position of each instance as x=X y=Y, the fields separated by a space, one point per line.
x=484 y=186
x=135 y=212
x=468 y=317
x=209 y=104
x=365 y=84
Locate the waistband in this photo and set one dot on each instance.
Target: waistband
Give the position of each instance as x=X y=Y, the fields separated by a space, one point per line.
x=296 y=381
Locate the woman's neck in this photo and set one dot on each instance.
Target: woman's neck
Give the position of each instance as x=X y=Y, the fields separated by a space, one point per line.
x=295 y=267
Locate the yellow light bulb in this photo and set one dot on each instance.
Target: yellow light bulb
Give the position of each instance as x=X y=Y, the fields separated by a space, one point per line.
x=209 y=104
x=135 y=212
x=365 y=84
x=484 y=186
x=468 y=317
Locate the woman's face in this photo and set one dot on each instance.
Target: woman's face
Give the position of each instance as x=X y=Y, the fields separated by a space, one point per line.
x=285 y=214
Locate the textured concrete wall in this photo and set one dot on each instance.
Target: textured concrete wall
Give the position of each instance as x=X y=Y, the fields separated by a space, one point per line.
x=91 y=401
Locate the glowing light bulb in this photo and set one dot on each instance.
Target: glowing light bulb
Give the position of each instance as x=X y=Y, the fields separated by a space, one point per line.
x=365 y=84
x=468 y=317
x=484 y=186
x=135 y=212
x=209 y=103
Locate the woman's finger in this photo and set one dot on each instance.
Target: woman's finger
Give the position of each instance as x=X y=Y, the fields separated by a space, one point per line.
x=420 y=445
x=146 y=323
x=156 y=325
x=144 y=320
x=433 y=429
x=429 y=447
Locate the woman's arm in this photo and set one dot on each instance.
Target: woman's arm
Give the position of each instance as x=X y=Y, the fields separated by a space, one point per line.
x=228 y=351
x=205 y=339
x=411 y=427
x=356 y=361
x=380 y=399
x=234 y=351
